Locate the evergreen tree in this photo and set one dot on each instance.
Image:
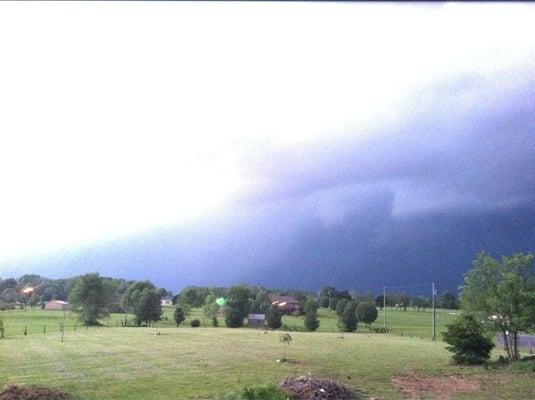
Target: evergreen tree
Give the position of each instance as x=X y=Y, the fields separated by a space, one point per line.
x=311 y=315
x=179 y=315
x=348 y=320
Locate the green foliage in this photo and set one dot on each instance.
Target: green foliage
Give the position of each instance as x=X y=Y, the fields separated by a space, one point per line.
x=285 y=339
x=195 y=323
x=340 y=306
x=504 y=292
x=179 y=315
x=348 y=320
x=215 y=322
x=526 y=365
x=269 y=392
x=233 y=318
x=367 y=313
x=312 y=321
x=1 y=328
x=467 y=341
x=90 y=298
x=240 y=299
x=210 y=310
x=448 y=301
x=194 y=296
x=148 y=307
x=274 y=318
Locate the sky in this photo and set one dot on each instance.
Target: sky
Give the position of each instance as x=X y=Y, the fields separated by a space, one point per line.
x=282 y=144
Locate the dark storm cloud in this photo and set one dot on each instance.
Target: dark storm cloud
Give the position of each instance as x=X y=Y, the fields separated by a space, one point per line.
x=448 y=173
x=469 y=139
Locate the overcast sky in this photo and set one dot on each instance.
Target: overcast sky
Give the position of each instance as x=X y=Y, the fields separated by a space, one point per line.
x=281 y=122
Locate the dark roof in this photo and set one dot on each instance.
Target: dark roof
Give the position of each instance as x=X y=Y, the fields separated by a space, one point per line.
x=275 y=298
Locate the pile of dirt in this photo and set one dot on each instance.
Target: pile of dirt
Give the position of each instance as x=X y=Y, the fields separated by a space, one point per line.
x=14 y=392
x=308 y=388
x=440 y=388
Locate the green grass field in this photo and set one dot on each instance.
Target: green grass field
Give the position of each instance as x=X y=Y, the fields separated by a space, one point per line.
x=206 y=363
x=403 y=323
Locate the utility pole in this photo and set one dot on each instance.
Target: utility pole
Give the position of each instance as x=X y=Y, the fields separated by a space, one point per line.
x=384 y=307
x=434 y=312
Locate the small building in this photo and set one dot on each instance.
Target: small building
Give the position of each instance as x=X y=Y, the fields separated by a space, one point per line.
x=167 y=301
x=56 y=305
x=287 y=304
x=257 y=321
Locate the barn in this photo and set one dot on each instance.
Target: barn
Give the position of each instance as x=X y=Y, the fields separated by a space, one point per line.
x=56 y=305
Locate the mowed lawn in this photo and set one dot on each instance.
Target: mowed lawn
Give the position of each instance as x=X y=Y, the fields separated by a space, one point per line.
x=206 y=363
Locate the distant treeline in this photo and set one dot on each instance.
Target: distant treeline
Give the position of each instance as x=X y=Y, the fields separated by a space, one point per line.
x=45 y=289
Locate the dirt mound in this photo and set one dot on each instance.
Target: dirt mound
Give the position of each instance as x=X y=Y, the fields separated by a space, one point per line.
x=14 y=392
x=431 y=387
x=308 y=388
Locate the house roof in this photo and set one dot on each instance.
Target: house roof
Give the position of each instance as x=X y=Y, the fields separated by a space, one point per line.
x=58 y=301
x=276 y=299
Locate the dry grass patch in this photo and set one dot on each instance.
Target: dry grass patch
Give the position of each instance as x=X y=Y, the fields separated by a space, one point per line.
x=432 y=387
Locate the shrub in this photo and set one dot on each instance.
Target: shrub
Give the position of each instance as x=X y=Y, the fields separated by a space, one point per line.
x=348 y=320
x=467 y=342
x=215 y=322
x=179 y=315
x=367 y=313
x=233 y=318
x=269 y=392
x=195 y=323
x=525 y=365
x=274 y=318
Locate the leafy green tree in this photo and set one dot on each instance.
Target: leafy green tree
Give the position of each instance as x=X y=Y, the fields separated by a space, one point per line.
x=310 y=309
x=274 y=318
x=348 y=322
x=240 y=298
x=504 y=293
x=366 y=313
x=340 y=306
x=333 y=301
x=448 y=301
x=148 y=307
x=261 y=303
x=179 y=315
x=233 y=318
x=210 y=310
x=467 y=341
x=89 y=298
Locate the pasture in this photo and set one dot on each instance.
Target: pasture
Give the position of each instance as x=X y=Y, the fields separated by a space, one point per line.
x=207 y=363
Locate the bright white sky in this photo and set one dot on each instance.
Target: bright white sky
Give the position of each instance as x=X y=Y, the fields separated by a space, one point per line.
x=121 y=117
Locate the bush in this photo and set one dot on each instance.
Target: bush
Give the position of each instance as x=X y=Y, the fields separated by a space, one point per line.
x=179 y=315
x=274 y=318
x=348 y=320
x=195 y=323
x=367 y=313
x=270 y=392
x=524 y=365
x=467 y=342
x=233 y=318
x=215 y=322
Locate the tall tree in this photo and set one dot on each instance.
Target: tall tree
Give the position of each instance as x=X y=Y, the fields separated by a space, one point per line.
x=240 y=298
x=90 y=298
x=148 y=307
x=311 y=315
x=348 y=320
x=504 y=292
